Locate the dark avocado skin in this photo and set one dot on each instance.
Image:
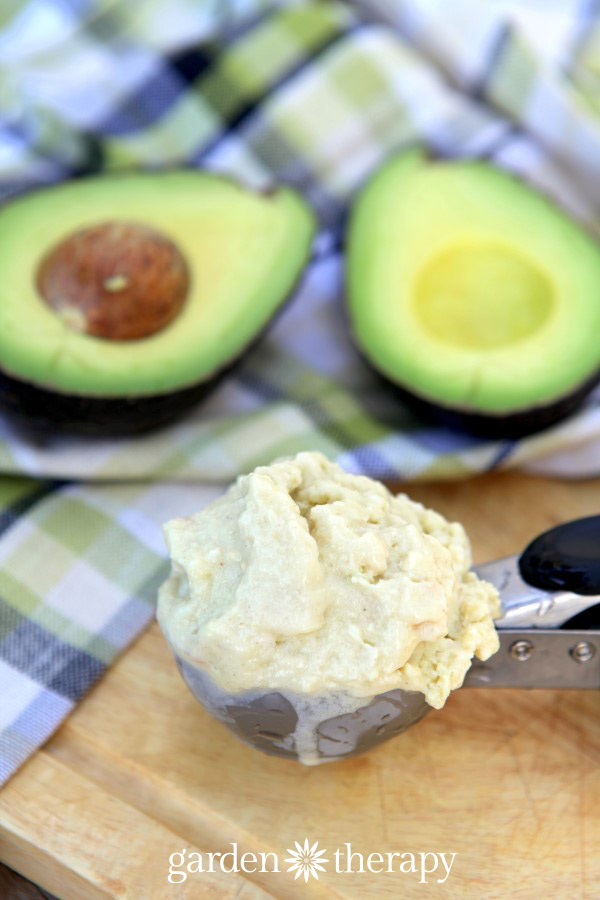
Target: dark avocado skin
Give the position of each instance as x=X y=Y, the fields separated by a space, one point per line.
x=41 y=411
x=495 y=427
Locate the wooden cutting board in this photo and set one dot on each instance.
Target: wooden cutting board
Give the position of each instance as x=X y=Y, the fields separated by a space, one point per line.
x=507 y=780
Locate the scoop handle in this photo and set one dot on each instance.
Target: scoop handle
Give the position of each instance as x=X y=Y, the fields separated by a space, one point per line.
x=565 y=558
x=553 y=579
x=540 y=658
x=556 y=577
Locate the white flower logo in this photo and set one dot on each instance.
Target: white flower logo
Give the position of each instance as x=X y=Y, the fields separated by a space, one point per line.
x=306 y=860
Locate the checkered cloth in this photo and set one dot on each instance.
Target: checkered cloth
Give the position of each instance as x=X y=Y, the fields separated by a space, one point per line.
x=315 y=94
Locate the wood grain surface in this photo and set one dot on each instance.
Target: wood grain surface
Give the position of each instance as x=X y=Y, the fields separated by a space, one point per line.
x=507 y=780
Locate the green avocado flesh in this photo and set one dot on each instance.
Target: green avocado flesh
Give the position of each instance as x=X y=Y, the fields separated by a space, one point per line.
x=244 y=251
x=469 y=289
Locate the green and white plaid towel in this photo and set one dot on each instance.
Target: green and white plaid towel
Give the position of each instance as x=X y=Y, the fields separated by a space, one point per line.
x=316 y=94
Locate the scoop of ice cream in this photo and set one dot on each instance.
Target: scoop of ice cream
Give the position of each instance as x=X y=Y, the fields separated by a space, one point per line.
x=305 y=578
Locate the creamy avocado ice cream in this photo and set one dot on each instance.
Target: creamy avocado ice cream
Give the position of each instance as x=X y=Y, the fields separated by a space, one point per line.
x=323 y=586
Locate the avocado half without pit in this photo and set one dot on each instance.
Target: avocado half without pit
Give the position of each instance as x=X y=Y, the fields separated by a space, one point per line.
x=123 y=298
x=473 y=295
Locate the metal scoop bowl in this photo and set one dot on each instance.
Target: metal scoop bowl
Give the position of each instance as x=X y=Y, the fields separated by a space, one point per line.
x=270 y=722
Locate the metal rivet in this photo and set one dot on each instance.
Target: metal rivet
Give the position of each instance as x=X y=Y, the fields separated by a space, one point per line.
x=521 y=650
x=582 y=652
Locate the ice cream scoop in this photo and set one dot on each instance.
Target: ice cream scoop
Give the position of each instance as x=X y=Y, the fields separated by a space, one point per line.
x=534 y=652
x=317 y=614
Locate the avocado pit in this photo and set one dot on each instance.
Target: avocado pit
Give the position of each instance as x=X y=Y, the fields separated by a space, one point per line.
x=121 y=281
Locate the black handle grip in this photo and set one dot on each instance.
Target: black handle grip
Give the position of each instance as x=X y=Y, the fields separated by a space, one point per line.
x=565 y=558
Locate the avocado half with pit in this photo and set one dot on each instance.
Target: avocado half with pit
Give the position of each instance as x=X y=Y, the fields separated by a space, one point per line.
x=124 y=297
x=474 y=295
